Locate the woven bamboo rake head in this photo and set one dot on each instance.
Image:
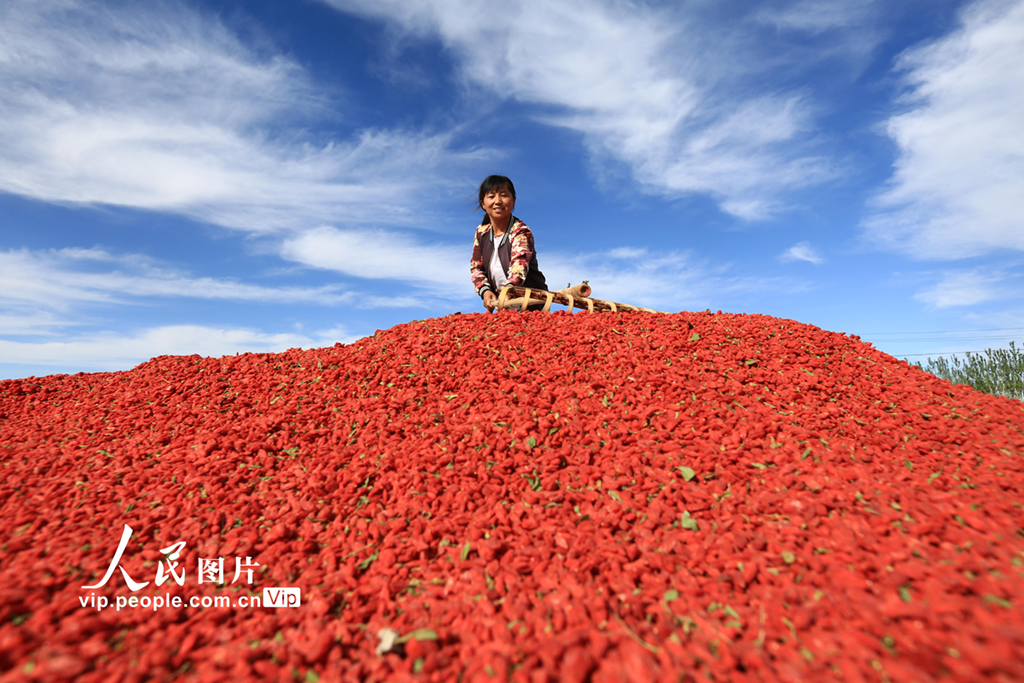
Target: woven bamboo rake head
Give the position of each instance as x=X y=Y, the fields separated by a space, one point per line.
x=573 y=297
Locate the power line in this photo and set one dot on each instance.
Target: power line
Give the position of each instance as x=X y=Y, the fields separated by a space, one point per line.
x=944 y=353
x=918 y=340
x=950 y=339
x=1002 y=329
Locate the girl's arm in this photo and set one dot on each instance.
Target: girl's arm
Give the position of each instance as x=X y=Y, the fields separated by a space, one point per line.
x=477 y=272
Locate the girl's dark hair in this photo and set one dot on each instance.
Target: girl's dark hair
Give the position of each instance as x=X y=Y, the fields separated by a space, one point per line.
x=493 y=182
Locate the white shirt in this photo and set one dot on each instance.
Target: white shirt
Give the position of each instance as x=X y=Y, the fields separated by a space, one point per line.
x=495 y=269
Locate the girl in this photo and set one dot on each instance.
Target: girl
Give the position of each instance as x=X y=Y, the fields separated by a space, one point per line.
x=503 y=251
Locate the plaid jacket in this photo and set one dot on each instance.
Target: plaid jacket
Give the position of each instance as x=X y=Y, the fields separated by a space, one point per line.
x=515 y=251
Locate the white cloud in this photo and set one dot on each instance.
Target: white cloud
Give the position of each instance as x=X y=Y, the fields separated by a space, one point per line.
x=158 y=106
x=817 y=31
x=110 y=351
x=801 y=252
x=627 y=253
x=636 y=82
x=959 y=176
x=381 y=254
x=669 y=282
x=818 y=16
x=968 y=288
x=59 y=280
x=28 y=322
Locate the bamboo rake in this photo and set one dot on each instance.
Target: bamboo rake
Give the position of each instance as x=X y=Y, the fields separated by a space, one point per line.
x=519 y=297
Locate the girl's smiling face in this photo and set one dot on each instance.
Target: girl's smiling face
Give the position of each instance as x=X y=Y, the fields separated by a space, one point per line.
x=498 y=204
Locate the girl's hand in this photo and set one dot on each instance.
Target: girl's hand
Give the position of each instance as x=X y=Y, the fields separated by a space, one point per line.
x=490 y=301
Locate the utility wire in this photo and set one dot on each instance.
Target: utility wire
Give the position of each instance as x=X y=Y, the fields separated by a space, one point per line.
x=944 y=353
x=1002 y=329
x=917 y=340
x=887 y=342
x=951 y=339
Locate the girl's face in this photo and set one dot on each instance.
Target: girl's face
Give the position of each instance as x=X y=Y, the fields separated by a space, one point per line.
x=498 y=204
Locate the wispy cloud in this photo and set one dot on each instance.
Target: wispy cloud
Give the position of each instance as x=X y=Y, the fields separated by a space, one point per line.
x=801 y=252
x=959 y=174
x=664 y=281
x=27 y=322
x=111 y=351
x=635 y=82
x=58 y=280
x=158 y=106
x=818 y=16
x=384 y=254
x=969 y=288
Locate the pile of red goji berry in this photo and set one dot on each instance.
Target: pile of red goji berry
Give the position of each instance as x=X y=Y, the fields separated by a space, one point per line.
x=533 y=497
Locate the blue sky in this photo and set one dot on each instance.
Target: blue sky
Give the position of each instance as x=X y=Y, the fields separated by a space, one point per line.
x=221 y=176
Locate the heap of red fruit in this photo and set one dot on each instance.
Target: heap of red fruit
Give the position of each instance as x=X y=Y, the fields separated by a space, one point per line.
x=525 y=497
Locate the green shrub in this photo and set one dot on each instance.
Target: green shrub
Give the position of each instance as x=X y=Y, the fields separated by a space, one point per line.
x=998 y=371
